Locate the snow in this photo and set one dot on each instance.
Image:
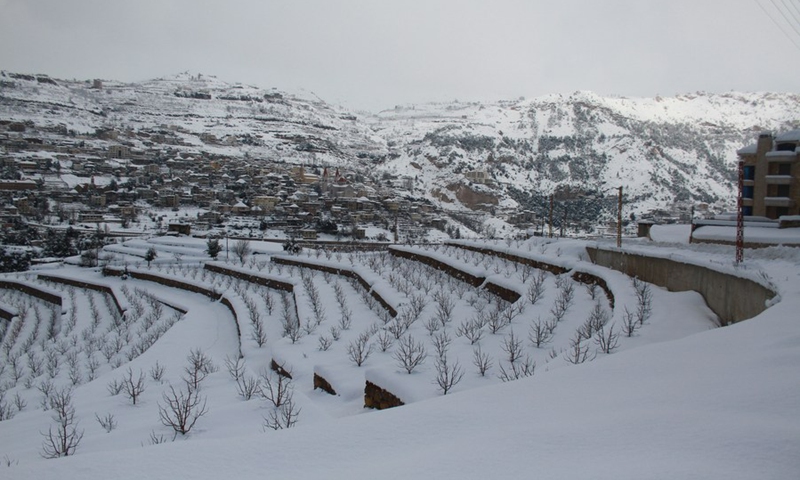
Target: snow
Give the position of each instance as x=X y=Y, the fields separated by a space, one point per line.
x=773 y=236
x=681 y=400
x=790 y=136
x=671 y=233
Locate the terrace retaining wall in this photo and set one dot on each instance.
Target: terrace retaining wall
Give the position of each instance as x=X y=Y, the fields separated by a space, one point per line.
x=732 y=298
x=345 y=272
x=171 y=282
x=505 y=293
x=87 y=285
x=322 y=384
x=379 y=398
x=7 y=314
x=577 y=275
x=32 y=291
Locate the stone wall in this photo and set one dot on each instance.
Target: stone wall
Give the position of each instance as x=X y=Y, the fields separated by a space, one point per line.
x=578 y=276
x=266 y=282
x=732 y=298
x=345 y=272
x=378 y=398
x=554 y=269
x=171 y=282
x=32 y=291
x=323 y=384
x=90 y=286
x=7 y=315
x=444 y=267
x=279 y=369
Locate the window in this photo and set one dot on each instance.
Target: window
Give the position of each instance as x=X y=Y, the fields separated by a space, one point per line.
x=785 y=147
x=747 y=211
x=747 y=191
x=783 y=191
x=749 y=172
x=784 y=169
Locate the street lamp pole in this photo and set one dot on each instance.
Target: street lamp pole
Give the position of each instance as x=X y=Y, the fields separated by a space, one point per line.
x=619 y=218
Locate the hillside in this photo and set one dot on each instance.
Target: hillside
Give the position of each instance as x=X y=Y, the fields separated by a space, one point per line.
x=678 y=398
x=668 y=153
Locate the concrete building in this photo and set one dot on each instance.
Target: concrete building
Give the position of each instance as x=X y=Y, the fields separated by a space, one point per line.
x=772 y=175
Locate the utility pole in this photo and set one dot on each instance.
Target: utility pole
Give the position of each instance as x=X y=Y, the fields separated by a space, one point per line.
x=740 y=217
x=619 y=218
x=551 y=215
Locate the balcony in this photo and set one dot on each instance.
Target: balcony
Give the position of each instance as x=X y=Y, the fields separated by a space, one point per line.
x=781 y=156
x=778 y=202
x=778 y=179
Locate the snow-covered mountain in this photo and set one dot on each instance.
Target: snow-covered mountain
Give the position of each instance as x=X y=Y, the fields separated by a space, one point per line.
x=668 y=153
x=663 y=151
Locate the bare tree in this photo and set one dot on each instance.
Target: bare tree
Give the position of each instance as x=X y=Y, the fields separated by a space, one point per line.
x=596 y=321
x=410 y=354
x=444 y=307
x=629 y=323
x=200 y=366
x=441 y=342
x=540 y=333
x=644 y=298
x=63 y=438
x=385 y=340
x=578 y=351
x=246 y=385
x=241 y=249
x=447 y=375
x=275 y=388
x=108 y=422
x=512 y=345
x=181 y=409
x=471 y=329
x=607 y=339
x=235 y=367
x=536 y=287
x=481 y=360
x=133 y=387
x=157 y=372
x=359 y=350
x=282 y=417
x=517 y=370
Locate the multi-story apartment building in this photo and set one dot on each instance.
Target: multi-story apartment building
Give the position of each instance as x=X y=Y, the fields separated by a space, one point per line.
x=772 y=175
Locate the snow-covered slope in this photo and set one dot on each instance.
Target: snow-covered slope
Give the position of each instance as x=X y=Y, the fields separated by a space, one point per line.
x=717 y=404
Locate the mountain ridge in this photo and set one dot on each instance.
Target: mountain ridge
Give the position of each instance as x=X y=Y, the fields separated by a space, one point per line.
x=669 y=153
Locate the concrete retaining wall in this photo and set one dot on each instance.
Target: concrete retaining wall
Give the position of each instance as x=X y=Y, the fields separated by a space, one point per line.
x=732 y=298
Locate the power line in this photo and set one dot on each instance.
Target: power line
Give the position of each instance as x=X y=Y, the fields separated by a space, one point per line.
x=777 y=24
x=785 y=17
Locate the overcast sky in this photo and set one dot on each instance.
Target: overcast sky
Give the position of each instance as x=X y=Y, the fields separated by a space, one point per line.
x=373 y=54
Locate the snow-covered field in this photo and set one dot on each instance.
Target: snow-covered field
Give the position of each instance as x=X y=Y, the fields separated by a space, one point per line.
x=678 y=398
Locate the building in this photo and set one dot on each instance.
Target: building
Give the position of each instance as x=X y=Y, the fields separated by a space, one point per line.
x=772 y=175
